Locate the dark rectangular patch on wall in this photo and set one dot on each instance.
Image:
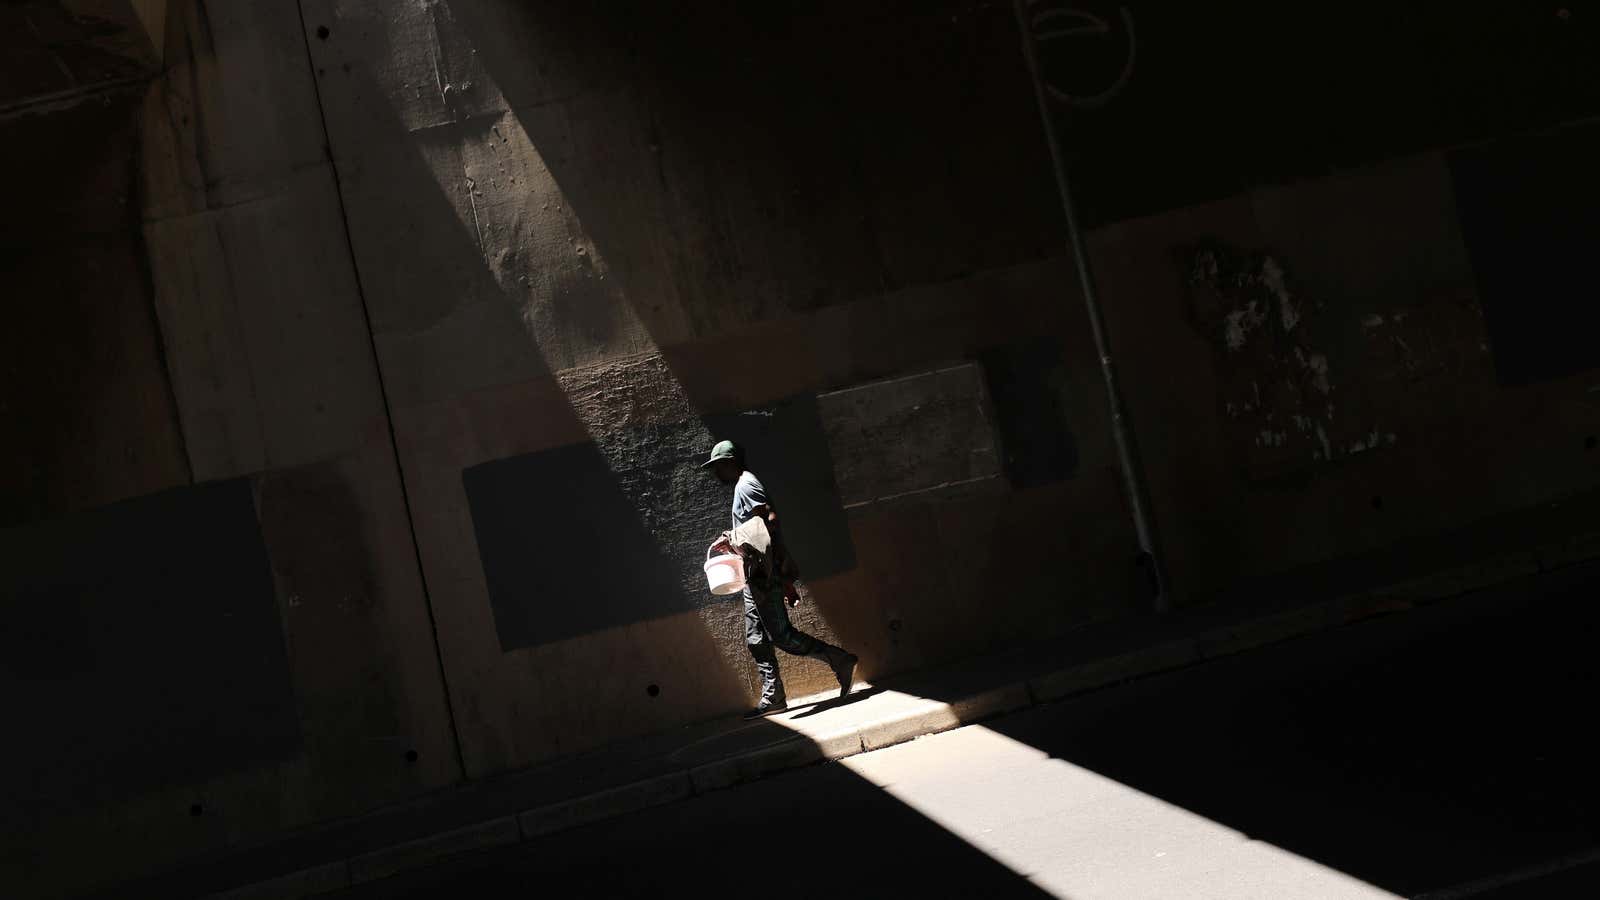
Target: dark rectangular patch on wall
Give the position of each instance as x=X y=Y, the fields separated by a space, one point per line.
x=1027 y=389
x=144 y=647
x=565 y=549
x=1530 y=216
x=786 y=447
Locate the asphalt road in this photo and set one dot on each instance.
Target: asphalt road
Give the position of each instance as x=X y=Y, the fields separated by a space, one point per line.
x=1444 y=752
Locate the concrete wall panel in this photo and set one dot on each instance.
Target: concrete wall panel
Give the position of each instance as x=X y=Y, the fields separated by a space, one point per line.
x=236 y=340
x=147 y=635
x=901 y=437
x=88 y=411
x=234 y=114
x=1374 y=421
x=272 y=361
x=1528 y=216
x=281 y=373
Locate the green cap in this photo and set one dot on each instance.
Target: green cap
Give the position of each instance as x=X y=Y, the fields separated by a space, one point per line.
x=723 y=450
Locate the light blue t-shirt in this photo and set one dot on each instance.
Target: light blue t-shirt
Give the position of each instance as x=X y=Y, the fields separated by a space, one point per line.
x=747 y=495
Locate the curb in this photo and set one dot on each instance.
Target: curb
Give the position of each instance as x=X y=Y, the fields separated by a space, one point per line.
x=303 y=883
x=415 y=854
x=922 y=719
x=607 y=804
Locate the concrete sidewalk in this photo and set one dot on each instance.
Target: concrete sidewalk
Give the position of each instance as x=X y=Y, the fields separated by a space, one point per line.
x=697 y=759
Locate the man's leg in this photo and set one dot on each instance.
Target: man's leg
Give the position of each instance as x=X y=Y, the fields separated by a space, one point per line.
x=760 y=646
x=775 y=621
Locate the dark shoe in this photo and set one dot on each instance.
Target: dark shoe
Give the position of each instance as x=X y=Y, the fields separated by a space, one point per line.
x=767 y=709
x=843 y=663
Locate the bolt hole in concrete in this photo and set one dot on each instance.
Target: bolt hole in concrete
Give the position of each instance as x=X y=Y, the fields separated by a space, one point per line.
x=1590 y=442
x=411 y=756
x=653 y=690
x=322 y=32
x=1377 y=503
x=196 y=809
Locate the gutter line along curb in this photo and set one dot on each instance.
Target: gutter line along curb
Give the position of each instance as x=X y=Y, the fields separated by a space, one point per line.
x=803 y=750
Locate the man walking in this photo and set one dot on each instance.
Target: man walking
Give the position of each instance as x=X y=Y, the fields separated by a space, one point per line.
x=770 y=588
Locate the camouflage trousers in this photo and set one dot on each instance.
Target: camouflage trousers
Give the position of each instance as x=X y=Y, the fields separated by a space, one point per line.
x=766 y=627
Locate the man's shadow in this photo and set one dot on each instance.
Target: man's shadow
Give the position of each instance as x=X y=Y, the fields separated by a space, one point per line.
x=825 y=705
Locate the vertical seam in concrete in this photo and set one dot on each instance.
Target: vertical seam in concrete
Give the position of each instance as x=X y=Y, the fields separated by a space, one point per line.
x=153 y=307
x=383 y=392
x=244 y=343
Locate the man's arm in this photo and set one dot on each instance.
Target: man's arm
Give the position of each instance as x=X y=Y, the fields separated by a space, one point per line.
x=783 y=564
x=780 y=550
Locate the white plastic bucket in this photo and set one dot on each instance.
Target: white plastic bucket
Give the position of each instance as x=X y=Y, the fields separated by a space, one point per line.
x=724 y=572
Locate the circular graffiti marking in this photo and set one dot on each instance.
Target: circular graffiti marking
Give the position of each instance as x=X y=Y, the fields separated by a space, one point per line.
x=1087 y=58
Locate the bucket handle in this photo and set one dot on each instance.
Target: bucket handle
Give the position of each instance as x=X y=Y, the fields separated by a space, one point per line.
x=720 y=542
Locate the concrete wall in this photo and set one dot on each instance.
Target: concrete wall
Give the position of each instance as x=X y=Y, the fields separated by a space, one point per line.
x=592 y=242
x=367 y=354
x=1317 y=385
x=53 y=51
x=220 y=629
x=1345 y=288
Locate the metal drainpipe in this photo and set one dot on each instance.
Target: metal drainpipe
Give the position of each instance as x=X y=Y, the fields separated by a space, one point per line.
x=1127 y=447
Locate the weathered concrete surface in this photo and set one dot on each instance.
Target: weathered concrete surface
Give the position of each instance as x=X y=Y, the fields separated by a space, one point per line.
x=904 y=437
x=563 y=246
x=592 y=235
x=1369 y=414
x=1528 y=211
x=90 y=417
x=227 y=341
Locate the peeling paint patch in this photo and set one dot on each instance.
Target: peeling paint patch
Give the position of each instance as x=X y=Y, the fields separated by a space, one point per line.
x=1239 y=323
x=1322 y=438
x=1272 y=276
x=1373 y=441
x=1276 y=384
x=1318 y=365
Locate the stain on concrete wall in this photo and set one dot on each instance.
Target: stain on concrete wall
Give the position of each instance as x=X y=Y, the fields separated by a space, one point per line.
x=1027 y=383
x=1383 y=312
x=1276 y=388
x=921 y=436
x=144 y=644
x=1530 y=214
x=564 y=550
